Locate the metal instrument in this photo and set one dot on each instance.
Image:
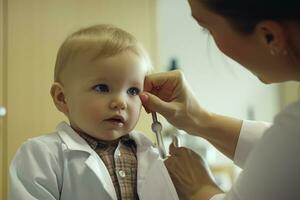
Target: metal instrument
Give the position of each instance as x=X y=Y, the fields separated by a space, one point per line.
x=157 y=128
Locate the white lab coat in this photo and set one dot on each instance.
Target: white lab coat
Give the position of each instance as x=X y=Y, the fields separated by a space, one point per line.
x=61 y=165
x=270 y=159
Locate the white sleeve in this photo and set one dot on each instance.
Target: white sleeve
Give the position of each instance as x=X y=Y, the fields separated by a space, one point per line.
x=33 y=175
x=272 y=168
x=251 y=132
x=218 y=197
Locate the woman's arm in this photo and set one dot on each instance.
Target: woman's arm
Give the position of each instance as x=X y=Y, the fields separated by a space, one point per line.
x=222 y=132
x=234 y=138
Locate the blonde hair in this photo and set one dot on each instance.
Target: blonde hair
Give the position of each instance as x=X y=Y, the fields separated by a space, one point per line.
x=95 y=42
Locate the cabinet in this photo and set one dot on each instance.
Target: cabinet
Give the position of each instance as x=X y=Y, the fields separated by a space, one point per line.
x=31 y=32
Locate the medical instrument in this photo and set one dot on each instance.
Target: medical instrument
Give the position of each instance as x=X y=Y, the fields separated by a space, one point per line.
x=157 y=128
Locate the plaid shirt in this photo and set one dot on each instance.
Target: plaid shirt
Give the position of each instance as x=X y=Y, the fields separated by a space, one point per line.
x=120 y=160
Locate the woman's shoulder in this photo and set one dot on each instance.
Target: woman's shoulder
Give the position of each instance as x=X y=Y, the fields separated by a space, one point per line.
x=272 y=168
x=285 y=131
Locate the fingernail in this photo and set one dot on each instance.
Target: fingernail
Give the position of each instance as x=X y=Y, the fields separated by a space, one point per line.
x=175 y=141
x=144 y=97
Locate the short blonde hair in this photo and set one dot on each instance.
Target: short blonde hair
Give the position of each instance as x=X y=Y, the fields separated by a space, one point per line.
x=98 y=41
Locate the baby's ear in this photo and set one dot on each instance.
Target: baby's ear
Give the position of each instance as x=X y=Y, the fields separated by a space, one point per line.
x=58 y=96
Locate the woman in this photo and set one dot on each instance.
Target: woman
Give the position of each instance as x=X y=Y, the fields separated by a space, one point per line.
x=263 y=36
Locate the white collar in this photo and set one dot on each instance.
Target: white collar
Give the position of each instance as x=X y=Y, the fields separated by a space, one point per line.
x=73 y=141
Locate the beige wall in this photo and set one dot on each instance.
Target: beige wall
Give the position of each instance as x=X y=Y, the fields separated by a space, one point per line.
x=2 y=91
x=36 y=29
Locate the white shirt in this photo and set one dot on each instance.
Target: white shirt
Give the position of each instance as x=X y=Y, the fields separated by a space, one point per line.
x=62 y=166
x=270 y=159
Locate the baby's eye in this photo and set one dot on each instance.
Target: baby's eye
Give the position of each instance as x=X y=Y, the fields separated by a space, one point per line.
x=133 y=91
x=101 y=88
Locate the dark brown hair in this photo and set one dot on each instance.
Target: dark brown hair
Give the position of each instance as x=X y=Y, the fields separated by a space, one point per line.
x=245 y=14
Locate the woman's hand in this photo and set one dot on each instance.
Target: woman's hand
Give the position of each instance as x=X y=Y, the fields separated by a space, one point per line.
x=190 y=174
x=169 y=94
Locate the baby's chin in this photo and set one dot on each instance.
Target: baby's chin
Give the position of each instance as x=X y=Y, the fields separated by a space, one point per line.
x=109 y=134
x=111 y=137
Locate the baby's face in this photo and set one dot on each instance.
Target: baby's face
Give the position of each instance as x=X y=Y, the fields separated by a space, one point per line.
x=102 y=95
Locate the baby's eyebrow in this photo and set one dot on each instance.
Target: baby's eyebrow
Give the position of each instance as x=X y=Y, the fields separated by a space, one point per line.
x=99 y=79
x=137 y=83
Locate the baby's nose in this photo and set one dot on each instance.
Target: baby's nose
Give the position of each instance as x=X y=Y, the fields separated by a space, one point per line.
x=119 y=103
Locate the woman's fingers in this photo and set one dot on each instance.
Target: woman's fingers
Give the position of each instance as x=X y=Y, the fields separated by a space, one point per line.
x=168 y=86
x=180 y=152
x=172 y=148
x=168 y=94
x=152 y=103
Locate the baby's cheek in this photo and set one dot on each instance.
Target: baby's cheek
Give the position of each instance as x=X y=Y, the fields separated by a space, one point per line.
x=92 y=110
x=135 y=110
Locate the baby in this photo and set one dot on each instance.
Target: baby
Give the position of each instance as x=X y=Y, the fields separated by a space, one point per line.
x=99 y=73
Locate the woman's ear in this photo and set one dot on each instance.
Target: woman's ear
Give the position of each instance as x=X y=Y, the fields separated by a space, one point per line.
x=58 y=96
x=273 y=36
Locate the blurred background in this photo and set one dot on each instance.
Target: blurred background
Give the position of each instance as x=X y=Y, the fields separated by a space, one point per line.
x=31 y=32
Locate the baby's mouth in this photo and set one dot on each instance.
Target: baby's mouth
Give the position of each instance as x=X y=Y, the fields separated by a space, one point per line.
x=116 y=119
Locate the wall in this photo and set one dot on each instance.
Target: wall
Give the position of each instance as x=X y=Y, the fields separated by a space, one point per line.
x=2 y=63
x=289 y=92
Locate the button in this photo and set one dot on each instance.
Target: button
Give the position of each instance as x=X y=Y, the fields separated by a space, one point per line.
x=122 y=173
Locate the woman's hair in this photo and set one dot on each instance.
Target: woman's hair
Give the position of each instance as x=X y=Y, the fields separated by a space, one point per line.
x=99 y=41
x=245 y=14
